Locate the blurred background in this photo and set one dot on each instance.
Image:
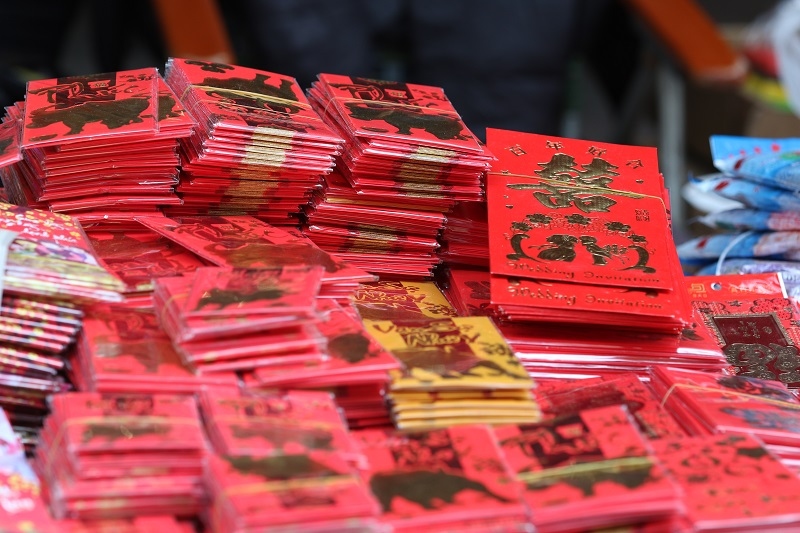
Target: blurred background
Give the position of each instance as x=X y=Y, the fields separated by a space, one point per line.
x=625 y=71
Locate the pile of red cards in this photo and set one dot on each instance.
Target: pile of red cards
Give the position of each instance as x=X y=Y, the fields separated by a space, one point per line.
x=246 y=242
x=731 y=483
x=577 y=235
x=445 y=480
x=752 y=322
x=587 y=471
x=49 y=274
x=258 y=148
x=356 y=367
x=277 y=423
x=552 y=350
x=99 y=145
x=118 y=455
x=313 y=491
x=124 y=350
x=22 y=507
x=465 y=239
x=558 y=398
x=137 y=256
x=228 y=319
x=468 y=290
x=705 y=404
x=409 y=157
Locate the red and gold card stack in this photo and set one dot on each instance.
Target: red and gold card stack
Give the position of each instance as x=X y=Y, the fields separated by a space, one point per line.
x=231 y=319
x=560 y=351
x=752 y=322
x=705 y=404
x=578 y=233
x=445 y=480
x=137 y=255
x=731 y=483
x=408 y=158
x=49 y=274
x=99 y=145
x=313 y=491
x=246 y=242
x=455 y=371
x=356 y=368
x=465 y=239
x=277 y=423
x=587 y=471
x=258 y=149
x=125 y=350
x=563 y=398
x=122 y=455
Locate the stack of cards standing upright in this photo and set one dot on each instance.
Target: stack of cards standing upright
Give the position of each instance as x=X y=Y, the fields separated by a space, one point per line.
x=103 y=144
x=258 y=149
x=408 y=158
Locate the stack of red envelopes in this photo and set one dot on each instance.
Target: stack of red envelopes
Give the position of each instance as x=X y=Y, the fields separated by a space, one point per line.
x=468 y=290
x=587 y=471
x=465 y=239
x=731 y=483
x=549 y=350
x=137 y=255
x=246 y=242
x=753 y=323
x=124 y=350
x=445 y=480
x=313 y=491
x=10 y=133
x=578 y=235
x=118 y=455
x=99 y=145
x=566 y=397
x=408 y=158
x=49 y=274
x=22 y=507
x=356 y=367
x=258 y=149
x=277 y=423
x=228 y=319
x=705 y=404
